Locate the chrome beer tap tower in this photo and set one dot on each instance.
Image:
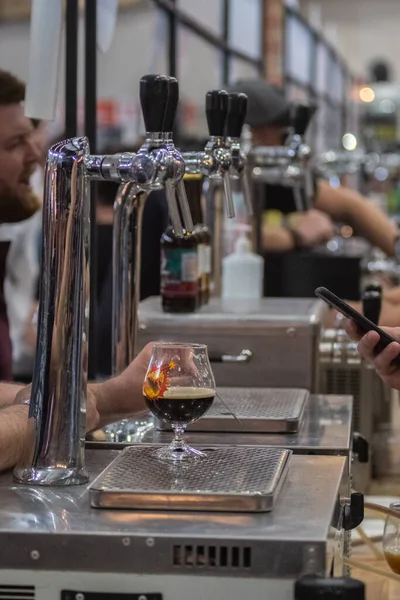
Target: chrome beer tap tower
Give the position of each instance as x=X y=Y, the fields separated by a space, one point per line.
x=221 y=160
x=291 y=164
x=128 y=210
x=54 y=448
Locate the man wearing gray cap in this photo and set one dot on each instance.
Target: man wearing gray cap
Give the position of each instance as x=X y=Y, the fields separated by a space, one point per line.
x=266 y=104
x=268 y=115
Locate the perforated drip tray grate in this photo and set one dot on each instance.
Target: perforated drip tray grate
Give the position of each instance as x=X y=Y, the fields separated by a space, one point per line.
x=229 y=479
x=262 y=410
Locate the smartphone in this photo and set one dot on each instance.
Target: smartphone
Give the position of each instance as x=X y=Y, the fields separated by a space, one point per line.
x=364 y=325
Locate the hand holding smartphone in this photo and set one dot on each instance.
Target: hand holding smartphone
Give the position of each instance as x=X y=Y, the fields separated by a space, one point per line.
x=364 y=325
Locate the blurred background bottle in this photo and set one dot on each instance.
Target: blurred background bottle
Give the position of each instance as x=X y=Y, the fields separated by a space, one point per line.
x=193 y=185
x=179 y=272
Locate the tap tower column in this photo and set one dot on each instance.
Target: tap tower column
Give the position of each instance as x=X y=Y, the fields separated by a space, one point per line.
x=54 y=446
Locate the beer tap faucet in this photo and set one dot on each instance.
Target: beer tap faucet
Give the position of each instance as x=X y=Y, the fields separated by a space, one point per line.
x=237 y=109
x=301 y=117
x=169 y=164
x=176 y=157
x=221 y=160
x=216 y=160
x=288 y=165
x=159 y=110
x=53 y=452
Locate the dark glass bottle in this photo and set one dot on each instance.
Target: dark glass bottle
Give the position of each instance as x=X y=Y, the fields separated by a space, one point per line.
x=179 y=272
x=193 y=185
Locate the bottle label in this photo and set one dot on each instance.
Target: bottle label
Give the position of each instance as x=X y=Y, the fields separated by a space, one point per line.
x=207 y=260
x=179 y=272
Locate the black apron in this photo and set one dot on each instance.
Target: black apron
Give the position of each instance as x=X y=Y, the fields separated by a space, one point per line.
x=5 y=340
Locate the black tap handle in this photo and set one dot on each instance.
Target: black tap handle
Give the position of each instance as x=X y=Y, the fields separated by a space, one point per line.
x=315 y=587
x=372 y=304
x=373 y=287
x=172 y=104
x=354 y=512
x=216 y=111
x=153 y=100
x=237 y=109
x=360 y=447
x=301 y=115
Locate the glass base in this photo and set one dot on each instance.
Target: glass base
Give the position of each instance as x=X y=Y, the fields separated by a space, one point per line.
x=53 y=476
x=179 y=453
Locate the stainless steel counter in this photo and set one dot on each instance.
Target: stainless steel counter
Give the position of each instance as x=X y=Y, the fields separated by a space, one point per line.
x=56 y=529
x=325 y=429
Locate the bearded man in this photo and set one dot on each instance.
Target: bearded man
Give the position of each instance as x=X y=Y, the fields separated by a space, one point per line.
x=19 y=156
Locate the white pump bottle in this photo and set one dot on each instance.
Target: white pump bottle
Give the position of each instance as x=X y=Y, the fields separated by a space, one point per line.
x=242 y=273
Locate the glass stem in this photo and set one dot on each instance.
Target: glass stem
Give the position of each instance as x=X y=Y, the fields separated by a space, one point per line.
x=178 y=441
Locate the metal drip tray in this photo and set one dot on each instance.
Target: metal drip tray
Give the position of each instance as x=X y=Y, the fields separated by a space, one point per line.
x=262 y=410
x=230 y=479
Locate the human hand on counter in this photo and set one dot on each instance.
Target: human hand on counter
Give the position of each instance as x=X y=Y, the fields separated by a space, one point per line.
x=92 y=415
x=107 y=402
x=112 y=400
x=387 y=370
x=313 y=227
x=30 y=332
x=120 y=397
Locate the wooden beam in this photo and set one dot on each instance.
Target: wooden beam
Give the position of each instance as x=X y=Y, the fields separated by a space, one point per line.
x=14 y=10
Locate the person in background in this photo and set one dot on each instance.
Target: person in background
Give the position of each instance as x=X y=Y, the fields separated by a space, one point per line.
x=22 y=270
x=268 y=116
x=19 y=157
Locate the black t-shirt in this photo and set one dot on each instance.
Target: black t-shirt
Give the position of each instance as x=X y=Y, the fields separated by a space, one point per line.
x=281 y=198
x=5 y=340
x=155 y=221
x=278 y=197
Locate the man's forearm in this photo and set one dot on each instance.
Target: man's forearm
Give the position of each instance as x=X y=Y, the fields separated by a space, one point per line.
x=372 y=223
x=13 y=420
x=392 y=296
x=367 y=220
x=389 y=316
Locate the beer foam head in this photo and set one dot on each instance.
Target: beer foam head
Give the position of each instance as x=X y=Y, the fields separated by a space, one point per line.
x=188 y=393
